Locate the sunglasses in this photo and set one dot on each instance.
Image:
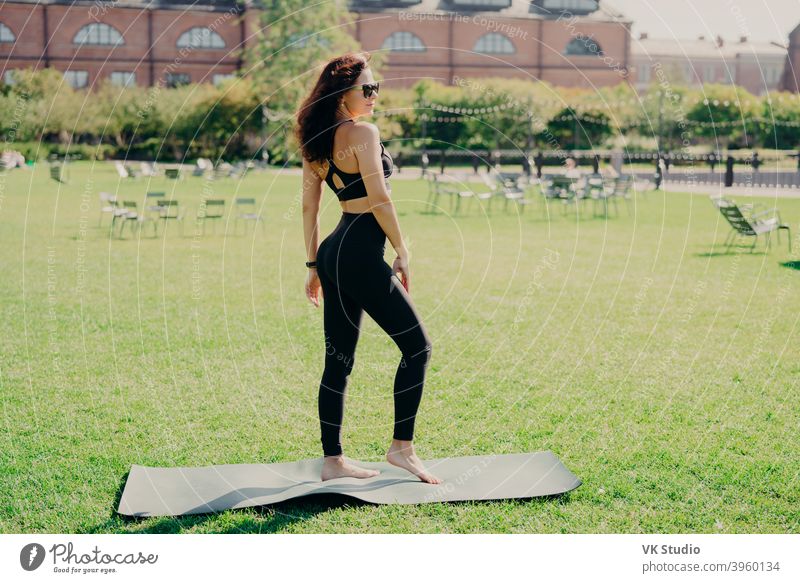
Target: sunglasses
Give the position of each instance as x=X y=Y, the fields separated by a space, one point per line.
x=368 y=88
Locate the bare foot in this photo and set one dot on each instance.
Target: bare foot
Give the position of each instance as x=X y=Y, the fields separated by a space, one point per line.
x=401 y=454
x=337 y=467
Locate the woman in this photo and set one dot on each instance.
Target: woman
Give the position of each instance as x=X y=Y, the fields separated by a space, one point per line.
x=348 y=265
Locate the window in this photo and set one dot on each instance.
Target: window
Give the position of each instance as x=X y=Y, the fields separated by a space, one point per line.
x=644 y=73
x=222 y=77
x=571 y=5
x=728 y=74
x=688 y=73
x=98 y=33
x=6 y=36
x=583 y=46
x=200 y=37
x=178 y=79
x=709 y=73
x=8 y=77
x=123 y=78
x=493 y=43
x=772 y=75
x=403 y=41
x=77 y=79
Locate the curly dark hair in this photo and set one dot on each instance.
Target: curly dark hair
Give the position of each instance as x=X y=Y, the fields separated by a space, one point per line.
x=317 y=115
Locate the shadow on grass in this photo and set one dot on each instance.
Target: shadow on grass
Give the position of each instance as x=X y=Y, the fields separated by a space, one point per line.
x=270 y=518
x=730 y=252
x=791 y=264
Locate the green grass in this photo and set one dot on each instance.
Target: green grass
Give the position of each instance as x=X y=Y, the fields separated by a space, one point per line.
x=664 y=374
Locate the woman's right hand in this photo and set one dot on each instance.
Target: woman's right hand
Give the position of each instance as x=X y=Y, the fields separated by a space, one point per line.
x=401 y=264
x=313 y=287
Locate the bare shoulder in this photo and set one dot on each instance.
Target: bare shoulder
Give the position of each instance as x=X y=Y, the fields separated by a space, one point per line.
x=366 y=132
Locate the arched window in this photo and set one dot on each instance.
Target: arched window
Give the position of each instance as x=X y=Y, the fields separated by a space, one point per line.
x=6 y=36
x=98 y=33
x=494 y=43
x=201 y=37
x=403 y=41
x=583 y=46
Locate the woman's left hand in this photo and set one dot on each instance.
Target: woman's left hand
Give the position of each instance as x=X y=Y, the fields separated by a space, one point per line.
x=313 y=287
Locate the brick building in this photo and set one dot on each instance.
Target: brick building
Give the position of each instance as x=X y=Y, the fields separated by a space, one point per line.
x=129 y=41
x=577 y=43
x=566 y=42
x=791 y=73
x=756 y=66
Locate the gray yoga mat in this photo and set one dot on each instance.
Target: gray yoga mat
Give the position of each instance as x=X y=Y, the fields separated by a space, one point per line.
x=179 y=491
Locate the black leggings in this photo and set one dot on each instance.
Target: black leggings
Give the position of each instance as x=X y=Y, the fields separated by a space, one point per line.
x=354 y=279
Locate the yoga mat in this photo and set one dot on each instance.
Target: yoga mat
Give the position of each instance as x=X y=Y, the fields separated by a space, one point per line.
x=153 y=491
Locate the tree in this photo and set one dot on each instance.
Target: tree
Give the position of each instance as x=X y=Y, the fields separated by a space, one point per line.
x=290 y=46
x=290 y=41
x=580 y=129
x=725 y=112
x=780 y=125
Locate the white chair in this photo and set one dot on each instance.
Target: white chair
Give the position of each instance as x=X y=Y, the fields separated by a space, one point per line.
x=148 y=169
x=108 y=205
x=121 y=170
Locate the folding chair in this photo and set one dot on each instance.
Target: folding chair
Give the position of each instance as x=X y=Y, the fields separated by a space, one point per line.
x=558 y=187
x=108 y=204
x=246 y=211
x=214 y=210
x=754 y=224
x=171 y=211
x=123 y=214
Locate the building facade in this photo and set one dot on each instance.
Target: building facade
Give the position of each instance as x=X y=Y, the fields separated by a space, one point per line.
x=758 y=67
x=127 y=41
x=791 y=73
x=578 y=43
x=575 y=43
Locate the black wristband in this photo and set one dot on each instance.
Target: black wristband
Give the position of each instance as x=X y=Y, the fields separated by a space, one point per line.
x=311 y=263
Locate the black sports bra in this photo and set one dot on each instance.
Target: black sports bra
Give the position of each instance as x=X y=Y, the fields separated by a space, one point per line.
x=353 y=183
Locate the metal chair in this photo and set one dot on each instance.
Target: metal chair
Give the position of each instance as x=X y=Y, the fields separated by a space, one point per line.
x=514 y=187
x=171 y=211
x=751 y=225
x=595 y=187
x=214 y=209
x=149 y=169
x=222 y=170
x=202 y=166
x=173 y=173
x=127 y=212
x=620 y=187
x=59 y=172
x=437 y=189
x=108 y=204
x=558 y=187
x=246 y=211
x=503 y=185
x=124 y=170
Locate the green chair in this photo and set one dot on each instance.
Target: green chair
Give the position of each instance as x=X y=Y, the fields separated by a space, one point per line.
x=212 y=209
x=751 y=224
x=246 y=211
x=171 y=211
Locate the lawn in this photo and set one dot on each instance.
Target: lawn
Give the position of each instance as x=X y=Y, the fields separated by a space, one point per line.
x=663 y=372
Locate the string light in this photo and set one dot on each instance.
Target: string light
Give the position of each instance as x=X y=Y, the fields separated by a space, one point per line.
x=273 y=115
